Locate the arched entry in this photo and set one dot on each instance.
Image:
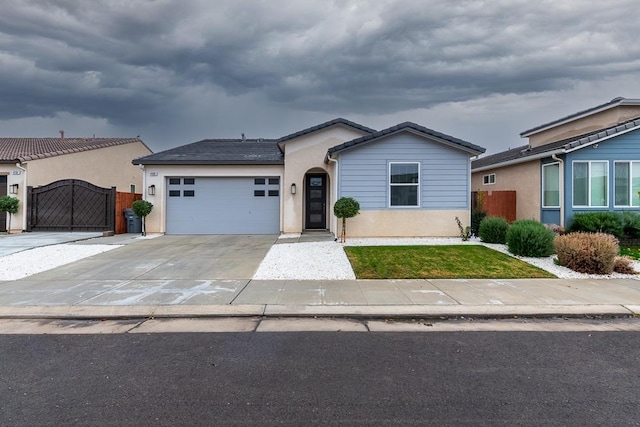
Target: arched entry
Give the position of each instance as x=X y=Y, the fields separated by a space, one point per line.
x=315 y=205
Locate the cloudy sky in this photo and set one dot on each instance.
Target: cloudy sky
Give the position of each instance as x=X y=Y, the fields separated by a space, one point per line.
x=179 y=71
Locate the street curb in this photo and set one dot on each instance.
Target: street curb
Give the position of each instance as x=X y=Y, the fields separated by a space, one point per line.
x=317 y=311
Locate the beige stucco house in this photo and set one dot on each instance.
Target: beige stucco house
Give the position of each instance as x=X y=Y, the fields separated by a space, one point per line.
x=409 y=181
x=36 y=162
x=582 y=162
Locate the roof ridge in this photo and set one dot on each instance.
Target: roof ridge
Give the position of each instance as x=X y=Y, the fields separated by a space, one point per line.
x=329 y=123
x=401 y=126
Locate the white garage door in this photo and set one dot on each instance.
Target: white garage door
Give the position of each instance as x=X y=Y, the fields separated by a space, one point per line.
x=223 y=205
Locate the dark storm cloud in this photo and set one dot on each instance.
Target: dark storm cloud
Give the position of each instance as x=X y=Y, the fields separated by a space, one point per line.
x=130 y=61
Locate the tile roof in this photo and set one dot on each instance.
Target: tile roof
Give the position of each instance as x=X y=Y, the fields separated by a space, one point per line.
x=338 y=121
x=25 y=149
x=219 y=152
x=607 y=105
x=404 y=126
x=526 y=153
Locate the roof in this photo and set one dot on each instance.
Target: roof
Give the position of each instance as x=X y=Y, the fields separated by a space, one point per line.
x=25 y=149
x=338 y=121
x=526 y=153
x=467 y=146
x=615 y=102
x=219 y=152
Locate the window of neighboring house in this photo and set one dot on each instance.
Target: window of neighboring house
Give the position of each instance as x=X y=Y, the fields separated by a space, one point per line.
x=489 y=179
x=132 y=188
x=551 y=185
x=404 y=184
x=590 y=181
x=626 y=183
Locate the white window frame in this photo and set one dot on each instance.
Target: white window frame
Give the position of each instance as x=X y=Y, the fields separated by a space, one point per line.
x=543 y=183
x=607 y=179
x=631 y=194
x=489 y=179
x=418 y=185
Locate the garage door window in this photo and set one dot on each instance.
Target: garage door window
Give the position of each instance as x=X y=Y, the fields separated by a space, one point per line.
x=258 y=193
x=174 y=181
x=174 y=193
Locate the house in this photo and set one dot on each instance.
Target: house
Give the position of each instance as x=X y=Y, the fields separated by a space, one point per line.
x=587 y=161
x=28 y=165
x=409 y=181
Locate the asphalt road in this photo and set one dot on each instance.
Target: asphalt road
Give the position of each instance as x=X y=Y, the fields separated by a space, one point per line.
x=304 y=378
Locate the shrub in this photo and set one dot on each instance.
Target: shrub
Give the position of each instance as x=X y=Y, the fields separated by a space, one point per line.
x=592 y=253
x=631 y=224
x=597 y=222
x=493 y=229
x=476 y=217
x=527 y=237
x=623 y=265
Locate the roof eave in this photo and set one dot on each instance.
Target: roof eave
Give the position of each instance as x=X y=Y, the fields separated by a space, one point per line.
x=207 y=162
x=615 y=103
x=519 y=160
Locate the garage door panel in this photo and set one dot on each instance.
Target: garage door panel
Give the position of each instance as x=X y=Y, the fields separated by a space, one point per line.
x=222 y=206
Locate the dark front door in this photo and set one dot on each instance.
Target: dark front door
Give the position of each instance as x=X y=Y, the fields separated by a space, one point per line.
x=316 y=201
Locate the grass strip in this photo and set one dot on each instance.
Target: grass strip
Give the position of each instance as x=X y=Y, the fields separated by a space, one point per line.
x=438 y=262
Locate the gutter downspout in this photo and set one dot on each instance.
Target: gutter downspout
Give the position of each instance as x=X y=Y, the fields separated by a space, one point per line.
x=23 y=196
x=335 y=194
x=561 y=179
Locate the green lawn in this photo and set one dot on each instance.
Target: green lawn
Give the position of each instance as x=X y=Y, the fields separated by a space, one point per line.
x=631 y=252
x=438 y=262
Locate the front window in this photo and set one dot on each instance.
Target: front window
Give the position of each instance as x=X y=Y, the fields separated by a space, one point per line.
x=627 y=183
x=590 y=180
x=551 y=185
x=404 y=184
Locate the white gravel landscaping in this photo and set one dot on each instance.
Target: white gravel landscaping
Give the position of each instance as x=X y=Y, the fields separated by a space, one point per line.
x=327 y=260
x=22 y=264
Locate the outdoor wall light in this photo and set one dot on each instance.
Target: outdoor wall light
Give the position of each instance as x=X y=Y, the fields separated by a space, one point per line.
x=151 y=190
x=293 y=188
x=13 y=189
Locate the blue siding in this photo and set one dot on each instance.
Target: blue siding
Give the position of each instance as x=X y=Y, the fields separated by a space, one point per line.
x=444 y=172
x=623 y=147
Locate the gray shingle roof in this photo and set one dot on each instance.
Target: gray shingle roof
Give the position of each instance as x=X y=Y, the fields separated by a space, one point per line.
x=467 y=146
x=25 y=149
x=525 y=153
x=219 y=152
x=338 y=121
x=613 y=103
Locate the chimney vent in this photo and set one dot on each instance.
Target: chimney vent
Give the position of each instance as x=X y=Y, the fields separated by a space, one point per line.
x=61 y=132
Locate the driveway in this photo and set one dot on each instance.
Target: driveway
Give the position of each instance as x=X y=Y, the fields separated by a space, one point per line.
x=163 y=270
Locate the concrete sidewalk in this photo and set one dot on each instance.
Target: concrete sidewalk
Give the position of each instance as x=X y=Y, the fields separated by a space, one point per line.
x=210 y=276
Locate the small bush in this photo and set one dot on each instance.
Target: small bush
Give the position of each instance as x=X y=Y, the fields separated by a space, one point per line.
x=631 y=224
x=530 y=238
x=476 y=217
x=623 y=265
x=493 y=229
x=597 y=222
x=592 y=253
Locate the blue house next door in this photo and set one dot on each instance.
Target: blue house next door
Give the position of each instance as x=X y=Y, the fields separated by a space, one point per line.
x=316 y=201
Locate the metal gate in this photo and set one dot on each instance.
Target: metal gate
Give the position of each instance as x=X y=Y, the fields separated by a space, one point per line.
x=70 y=205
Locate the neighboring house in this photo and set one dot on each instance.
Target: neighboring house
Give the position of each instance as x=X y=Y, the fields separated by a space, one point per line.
x=409 y=181
x=37 y=162
x=587 y=161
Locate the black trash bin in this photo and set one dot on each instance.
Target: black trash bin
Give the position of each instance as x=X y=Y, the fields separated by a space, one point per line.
x=134 y=223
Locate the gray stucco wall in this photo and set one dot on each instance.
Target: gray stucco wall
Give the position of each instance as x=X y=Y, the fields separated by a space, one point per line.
x=444 y=172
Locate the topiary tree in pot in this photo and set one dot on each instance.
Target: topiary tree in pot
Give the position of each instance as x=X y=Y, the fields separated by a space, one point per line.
x=9 y=205
x=345 y=207
x=142 y=208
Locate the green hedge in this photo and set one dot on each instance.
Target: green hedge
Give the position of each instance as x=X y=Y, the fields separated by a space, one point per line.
x=530 y=238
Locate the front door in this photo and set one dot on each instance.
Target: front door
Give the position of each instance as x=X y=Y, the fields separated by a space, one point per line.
x=316 y=201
